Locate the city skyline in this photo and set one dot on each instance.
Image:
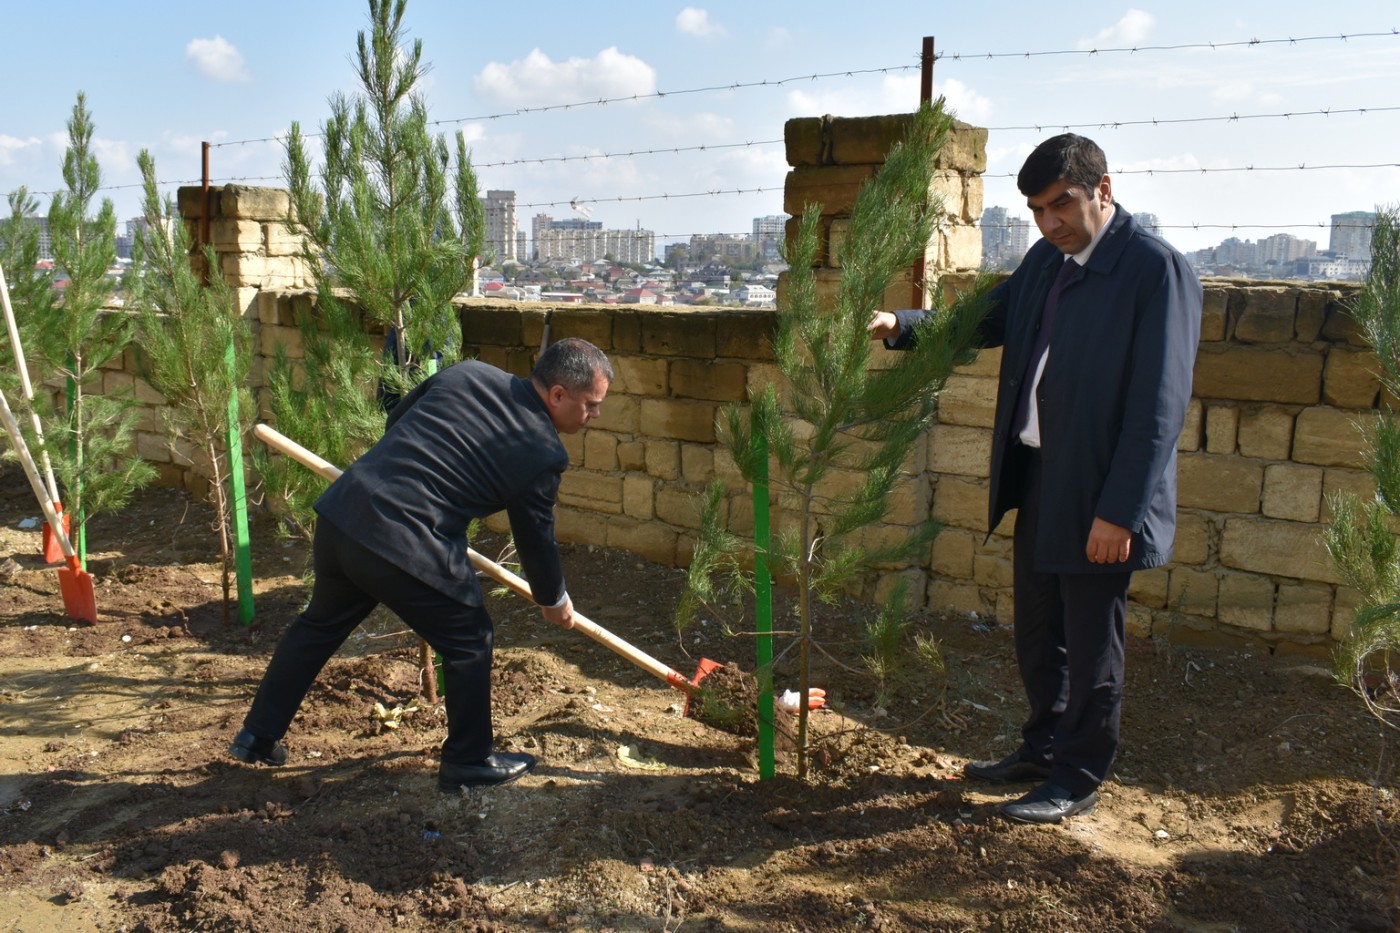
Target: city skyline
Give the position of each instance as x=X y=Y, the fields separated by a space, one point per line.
x=1248 y=118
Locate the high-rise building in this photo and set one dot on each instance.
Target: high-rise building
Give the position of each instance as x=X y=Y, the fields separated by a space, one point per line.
x=1148 y=222
x=1005 y=239
x=1284 y=247
x=500 y=224
x=770 y=231
x=1351 y=234
x=586 y=241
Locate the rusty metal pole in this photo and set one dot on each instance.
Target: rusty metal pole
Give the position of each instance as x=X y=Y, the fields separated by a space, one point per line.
x=925 y=96
x=204 y=212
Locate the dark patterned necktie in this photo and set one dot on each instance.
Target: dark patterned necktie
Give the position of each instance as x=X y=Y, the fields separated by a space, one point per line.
x=1042 y=342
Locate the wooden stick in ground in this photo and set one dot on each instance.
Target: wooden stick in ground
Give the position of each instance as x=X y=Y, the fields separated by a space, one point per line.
x=495 y=571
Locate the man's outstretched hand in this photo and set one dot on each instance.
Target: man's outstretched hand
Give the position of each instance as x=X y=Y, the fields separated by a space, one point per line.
x=562 y=616
x=883 y=325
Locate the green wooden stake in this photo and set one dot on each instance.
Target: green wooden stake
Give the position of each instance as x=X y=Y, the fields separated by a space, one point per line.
x=763 y=613
x=242 y=549
x=80 y=539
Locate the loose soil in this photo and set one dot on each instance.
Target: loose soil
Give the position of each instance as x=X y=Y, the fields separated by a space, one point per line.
x=1251 y=793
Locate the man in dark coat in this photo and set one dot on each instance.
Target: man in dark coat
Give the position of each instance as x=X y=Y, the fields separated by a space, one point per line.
x=1099 y=326
x=467 y=442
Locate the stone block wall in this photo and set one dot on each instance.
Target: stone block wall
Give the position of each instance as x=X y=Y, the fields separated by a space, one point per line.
x=1282 y=380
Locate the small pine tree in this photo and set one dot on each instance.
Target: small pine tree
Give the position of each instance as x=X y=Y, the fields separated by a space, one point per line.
x=93 y=448
x=392 y=233
x=187 y=328
x=29 y=288
x=838 y=418
x=1362 y=538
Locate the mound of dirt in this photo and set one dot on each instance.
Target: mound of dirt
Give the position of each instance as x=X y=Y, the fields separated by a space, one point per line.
x=1251 y=793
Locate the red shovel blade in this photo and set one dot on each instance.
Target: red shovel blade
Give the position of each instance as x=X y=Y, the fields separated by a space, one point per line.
x=702 y=670
x=75 y=584
x=53 y=551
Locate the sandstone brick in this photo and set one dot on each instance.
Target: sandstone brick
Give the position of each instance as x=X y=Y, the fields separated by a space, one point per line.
x=1214 y=318
x=1292 y=491
x=678 y=418
x=1193 y=592
x=910 y=498
x=1220 y=484
x=627 y=331
x=834 y=187
x=637 y=375
x=1247 y=601
x=1285 y=549
x=959 y=247
x=960 y=503
x=638 y=497
x=1268 y=315
x=236 y=236
x=968 y=400
x=915 y=583
x=688 y=334
x=1341 y=326
x=697 y=463
x=679 y=507
x=949 y=191
x=806 y=141
x=287 y=338
x=1304 y=608
x=1312 y=314
x=249 y=202
x=573 y=444
x=632 y=456
x=482 y=324
x=1222 y=425
x=621 y=414
x=1349 y=378
x=1138 y=623
x=951 y=554
x=991 y=572
x=836 y=240
x=647 y=539
x=1266 y=432
x=955 y=597
x=962 y=450
x=745 y=335
x=1255 y=374
x=600 y=450
x=1344 y=608
x=1193 y=428
x=146 y=395
x=1150 y=587
x=1336 y=481
x=153 y=447
x=1194 y=535
x=1328 y=437
x=577 y=526
x=593 y=491
x=663 y=459
x=279 y=240
x=987 y=362
x=591 y=324
x=709 y=379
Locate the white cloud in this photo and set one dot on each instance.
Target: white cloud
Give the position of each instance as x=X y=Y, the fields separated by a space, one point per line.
x=11 y=146
x=693 y=21
x=537 y=80
x=893 y=94
x=217 y=58
x=1128 y=31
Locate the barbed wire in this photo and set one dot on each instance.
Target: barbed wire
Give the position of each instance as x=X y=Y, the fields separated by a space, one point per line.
x=885 y=69
x=1159 y=121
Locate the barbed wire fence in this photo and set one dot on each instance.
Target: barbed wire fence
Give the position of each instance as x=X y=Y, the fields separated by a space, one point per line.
x=960 y=58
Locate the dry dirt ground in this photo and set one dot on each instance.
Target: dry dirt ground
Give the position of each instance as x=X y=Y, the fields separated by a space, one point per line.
x=1251 y=793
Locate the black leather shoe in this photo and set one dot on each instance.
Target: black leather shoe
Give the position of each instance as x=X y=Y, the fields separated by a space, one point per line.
x=1010 y=770
x=499 y=768
x=1049 y=803
x=253 y=750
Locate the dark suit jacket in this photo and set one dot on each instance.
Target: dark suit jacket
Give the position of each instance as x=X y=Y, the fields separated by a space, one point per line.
x=1113 y=396
x=467 y=442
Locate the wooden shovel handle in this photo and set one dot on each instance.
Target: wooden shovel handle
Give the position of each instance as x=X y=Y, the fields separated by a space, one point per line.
x=285 y=445
x=32 y=472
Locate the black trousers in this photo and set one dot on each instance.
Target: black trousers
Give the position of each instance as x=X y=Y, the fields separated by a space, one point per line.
x=1069 y=630
x=350 y=581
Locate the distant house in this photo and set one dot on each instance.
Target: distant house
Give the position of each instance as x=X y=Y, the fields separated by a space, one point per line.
x=639 y=296
x=563 y=298
x=753 y=294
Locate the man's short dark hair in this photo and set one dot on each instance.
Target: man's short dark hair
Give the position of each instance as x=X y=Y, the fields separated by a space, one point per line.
x=572 y=363
x=1075 y=158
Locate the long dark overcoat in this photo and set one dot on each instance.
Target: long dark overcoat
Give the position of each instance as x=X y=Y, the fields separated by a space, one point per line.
x=1113 y=396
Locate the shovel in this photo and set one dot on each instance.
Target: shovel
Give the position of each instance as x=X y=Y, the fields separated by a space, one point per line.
x=495 y=571
x=52 y=552
x=73 y=582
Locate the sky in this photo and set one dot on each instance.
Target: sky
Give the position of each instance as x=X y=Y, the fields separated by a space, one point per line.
x=1234 y=131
